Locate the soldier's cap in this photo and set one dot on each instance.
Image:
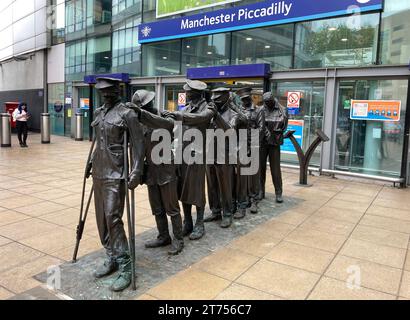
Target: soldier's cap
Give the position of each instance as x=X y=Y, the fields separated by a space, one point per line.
x=195 y=85
x=220 y=92
x=106 y=82
x=144 y=97
x=244 y=93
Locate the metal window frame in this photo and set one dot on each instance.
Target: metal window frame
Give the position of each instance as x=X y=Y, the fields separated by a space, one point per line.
x=332 y=78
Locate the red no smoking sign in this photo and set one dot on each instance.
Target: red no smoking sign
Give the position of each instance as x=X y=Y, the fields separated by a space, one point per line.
x=294 y=99
x=182 y=99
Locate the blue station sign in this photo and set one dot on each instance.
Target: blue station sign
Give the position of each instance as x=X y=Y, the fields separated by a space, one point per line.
x=261 y=14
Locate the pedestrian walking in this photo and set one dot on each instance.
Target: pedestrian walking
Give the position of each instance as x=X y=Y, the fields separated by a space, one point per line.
x=21 y=117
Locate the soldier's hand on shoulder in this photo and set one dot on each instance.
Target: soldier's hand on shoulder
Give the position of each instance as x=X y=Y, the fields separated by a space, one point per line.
x=134 y=107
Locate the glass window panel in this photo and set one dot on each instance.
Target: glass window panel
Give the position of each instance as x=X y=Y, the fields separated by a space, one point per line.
x=213 y=50
x=347 y=41
x=395 y=36
x=272 y=45
x=370 y=147
x=99 y=55
x=162 y=58
x=311 y=112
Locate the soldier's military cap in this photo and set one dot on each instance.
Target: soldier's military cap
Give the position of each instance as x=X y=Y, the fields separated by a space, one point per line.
x=244 y=93
x=106 y=82
x=219 y=92
x=144 y=97
x=195 y=85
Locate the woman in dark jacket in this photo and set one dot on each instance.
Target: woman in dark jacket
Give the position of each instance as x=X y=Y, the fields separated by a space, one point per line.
x=21 y=116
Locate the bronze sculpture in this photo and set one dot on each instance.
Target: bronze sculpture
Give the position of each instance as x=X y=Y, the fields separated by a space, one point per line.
x=220 y=175
x=276 y=117
x=113 y=122
x=197 y=115
x=161 y=179
x=256 y=123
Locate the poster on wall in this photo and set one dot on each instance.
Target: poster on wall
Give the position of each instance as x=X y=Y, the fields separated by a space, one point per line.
x=167 y=8
x=298 y=126
x=84 y=104
x=375 y=110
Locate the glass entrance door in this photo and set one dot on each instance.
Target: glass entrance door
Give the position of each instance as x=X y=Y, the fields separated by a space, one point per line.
x=84 y=108
x=368 y=146
x=309 y=115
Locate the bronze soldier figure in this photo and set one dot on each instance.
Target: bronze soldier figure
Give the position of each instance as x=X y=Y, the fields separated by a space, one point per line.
x=276 y=117
x=161 y=179
x=220 y=175
x=111 y=123
x=198 y=115
x=256 y=121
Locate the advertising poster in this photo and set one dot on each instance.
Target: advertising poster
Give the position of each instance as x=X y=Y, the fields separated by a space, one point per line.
x=375 y=110
x=298 y=126
x=171 y=7
x=84 y=104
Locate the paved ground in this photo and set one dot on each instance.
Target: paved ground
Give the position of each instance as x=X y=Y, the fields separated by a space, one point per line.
x=334 y=237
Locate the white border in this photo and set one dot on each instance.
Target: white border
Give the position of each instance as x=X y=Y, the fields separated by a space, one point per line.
x=192 y=9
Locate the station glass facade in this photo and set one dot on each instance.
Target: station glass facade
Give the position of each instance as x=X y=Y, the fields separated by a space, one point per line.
x=102 y=37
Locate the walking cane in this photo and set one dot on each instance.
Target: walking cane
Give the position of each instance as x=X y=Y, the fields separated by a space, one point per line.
x=130 y=212
x=83 y=215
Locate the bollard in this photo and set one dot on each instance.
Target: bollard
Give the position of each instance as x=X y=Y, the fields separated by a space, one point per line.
x=5 y=130
x=45 y=128
x=79 y=131
x=304 y=159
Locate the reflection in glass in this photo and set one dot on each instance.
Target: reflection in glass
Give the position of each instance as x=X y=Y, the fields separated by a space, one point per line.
x=347 y=41
x=370 y=147
x=205 y=51
x=395 y=36
x=311 y=112
x=272 y=45
x=161 y=58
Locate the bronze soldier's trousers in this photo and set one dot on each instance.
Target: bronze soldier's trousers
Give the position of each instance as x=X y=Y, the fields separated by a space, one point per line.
x=109 y=199
x=164 y=199
x=220 y=184
x=273 y=154
x=242 y=188
x=254 y=186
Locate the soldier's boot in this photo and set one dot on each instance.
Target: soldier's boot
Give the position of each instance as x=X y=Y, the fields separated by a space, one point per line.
x=178 y=241
x=106 y=269
x=261 y=195
x=124 y=278
x=279 y=198
x=240 y=214
x=254 y=207
x=164 y=238
x=188 y=222
x=214 y=216
x=227 y=221
x=199 y=230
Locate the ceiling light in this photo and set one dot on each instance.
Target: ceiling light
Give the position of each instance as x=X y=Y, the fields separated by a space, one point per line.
x=188 y=47
x=209 y=52
x=332 y=29
x=165 y=58
x=267 y=47
x=344 y=39
x=249 y=39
